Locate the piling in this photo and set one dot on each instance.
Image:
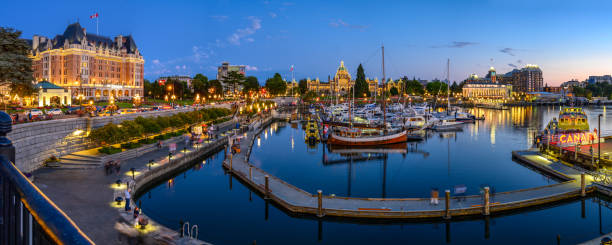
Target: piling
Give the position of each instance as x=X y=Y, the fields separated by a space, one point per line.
x=582 y=185
x=267 y=186
x=250 y=172
x=320 y=203
x=447 y=205
x=487 y=203
x=230 y=165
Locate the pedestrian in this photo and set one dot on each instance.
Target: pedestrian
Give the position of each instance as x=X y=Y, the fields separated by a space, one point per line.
x=434 y=197
x=127 y=199
x=29 y=116
x=117 y=166
x=136 y=212
x=159 y=144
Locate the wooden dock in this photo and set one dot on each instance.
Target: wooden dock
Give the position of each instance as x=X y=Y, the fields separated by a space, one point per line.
x=299 y=201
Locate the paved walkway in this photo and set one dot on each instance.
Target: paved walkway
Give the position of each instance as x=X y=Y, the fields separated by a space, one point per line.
x=85 y=194
x=298 y=200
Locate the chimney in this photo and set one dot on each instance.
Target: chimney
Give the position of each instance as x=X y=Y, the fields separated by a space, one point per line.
x=119 y=41
x=35 y=42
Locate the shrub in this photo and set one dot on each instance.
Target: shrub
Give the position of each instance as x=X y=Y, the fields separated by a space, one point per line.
x=130 y=145
x=109 y=150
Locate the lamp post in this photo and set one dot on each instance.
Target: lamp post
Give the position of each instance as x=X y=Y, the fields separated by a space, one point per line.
x=599 y=139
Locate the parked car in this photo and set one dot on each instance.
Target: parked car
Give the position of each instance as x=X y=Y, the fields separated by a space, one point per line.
x=36 y=112
x=55 y=111
x=73 y=110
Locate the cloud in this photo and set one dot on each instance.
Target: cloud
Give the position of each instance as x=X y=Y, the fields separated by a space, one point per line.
x=244 y=33
x=200 y=53
x=219 y=18
x=508 y=51
x=519 y=61
x=512 y=65
x=288 y=3
x=251 y=68
x=155 y=62
x=273 y=15
x=456 y=44
x=341 y=23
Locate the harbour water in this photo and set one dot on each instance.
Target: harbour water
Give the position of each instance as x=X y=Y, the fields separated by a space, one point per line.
x=229 y=213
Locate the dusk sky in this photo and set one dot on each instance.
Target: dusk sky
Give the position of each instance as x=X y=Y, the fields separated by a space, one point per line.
x=567 y=39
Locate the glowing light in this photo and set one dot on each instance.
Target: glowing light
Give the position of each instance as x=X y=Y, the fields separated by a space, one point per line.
x=77 y=132
x=258 y=142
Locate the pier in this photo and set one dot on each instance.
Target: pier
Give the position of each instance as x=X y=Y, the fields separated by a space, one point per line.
x=299 y=201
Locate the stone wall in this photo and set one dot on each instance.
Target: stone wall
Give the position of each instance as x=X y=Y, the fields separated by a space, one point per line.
x=34 y=142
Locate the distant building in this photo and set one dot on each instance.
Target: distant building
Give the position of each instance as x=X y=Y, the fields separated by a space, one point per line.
x=600 y=79
x=487 y=88
x=185 y=79
x=527 y=79
x=341 y=83
x=572 y=83
x=225 y=69
x=556 y=90
x=90 y=65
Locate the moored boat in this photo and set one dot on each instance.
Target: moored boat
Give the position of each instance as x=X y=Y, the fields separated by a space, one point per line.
x=355 y=137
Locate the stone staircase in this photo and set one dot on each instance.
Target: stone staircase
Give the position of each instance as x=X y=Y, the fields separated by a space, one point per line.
x=80 y=161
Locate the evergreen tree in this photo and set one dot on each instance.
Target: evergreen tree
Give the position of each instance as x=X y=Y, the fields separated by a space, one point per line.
x=303 y=86
x=361 y=86
x=15 y=65
x=233 y=79
x=250 y=84
x=276 y=85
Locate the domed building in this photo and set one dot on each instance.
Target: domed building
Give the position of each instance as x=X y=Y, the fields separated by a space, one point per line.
x=342 y=80
x=487 y=88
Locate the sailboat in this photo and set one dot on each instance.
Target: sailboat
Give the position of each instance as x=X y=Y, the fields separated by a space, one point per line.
x=350 y=136
x=447 y=123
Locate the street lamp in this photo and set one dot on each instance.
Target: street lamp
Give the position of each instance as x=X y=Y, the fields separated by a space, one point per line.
x=599 y=139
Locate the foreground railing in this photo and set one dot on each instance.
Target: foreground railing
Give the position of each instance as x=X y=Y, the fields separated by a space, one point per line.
x=27 y=216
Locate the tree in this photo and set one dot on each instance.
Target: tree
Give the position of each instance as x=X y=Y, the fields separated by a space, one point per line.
x=232 y=79
x=199 y=84
x=414 y=87
x=436 y=88
x=215 y=87
x=250 y=85
x=303 y=86
x=276 y=85
x=393 y=91
x=361 y=86
x=15 y=65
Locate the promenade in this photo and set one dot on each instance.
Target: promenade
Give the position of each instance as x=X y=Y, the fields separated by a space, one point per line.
x=86 y=194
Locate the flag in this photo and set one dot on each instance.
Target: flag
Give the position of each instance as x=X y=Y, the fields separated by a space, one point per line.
x=93 y=16
x=291 y=69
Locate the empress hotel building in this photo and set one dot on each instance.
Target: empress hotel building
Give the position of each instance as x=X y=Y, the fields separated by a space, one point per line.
x=89 y=65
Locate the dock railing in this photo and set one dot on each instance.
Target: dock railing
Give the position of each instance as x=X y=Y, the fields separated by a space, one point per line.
x=27 y=215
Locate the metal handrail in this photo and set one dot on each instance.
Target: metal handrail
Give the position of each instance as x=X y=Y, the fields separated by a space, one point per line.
x=53 y=221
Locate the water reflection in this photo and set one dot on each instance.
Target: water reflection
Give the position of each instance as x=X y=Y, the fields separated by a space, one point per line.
x=203 y=196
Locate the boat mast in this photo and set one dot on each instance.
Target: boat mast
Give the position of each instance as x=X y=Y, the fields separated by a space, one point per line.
x=384 y=103
x=448 y=86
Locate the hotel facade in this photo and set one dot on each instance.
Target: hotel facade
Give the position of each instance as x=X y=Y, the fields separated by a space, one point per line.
x=88 y=65
x=487 y=88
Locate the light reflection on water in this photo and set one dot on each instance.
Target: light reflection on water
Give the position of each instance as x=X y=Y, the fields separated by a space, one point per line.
x=229 y=213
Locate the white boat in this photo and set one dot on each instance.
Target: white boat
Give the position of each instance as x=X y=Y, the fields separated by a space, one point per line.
x=447 y=124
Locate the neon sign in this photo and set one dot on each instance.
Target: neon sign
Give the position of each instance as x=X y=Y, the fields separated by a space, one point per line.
x=575 y=138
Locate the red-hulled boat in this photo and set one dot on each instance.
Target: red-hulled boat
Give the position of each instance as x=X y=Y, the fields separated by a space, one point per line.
x=355 y=137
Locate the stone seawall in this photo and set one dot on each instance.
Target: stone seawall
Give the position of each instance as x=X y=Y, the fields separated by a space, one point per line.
x=34 y=142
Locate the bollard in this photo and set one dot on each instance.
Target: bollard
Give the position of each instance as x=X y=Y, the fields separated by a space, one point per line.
x=251 y=173
x=320 y=203
x=267 y=187
x=487 y=203
x=582 y=185
x=447 y=204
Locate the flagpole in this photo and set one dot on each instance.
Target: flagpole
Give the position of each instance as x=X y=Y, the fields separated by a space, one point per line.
x=97 y=21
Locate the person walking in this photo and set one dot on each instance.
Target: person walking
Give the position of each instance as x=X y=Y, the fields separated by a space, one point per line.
x=127 y=199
